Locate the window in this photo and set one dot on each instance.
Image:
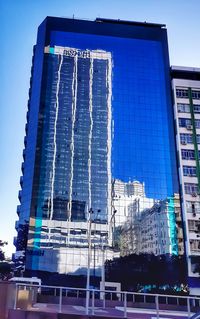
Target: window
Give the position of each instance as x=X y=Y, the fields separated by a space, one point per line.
x=188 y=154
x=193 y=207
x=197 y=123
x=196 y=108
x=193 y=225
x=187 y=138
x=190 y=207
x=196 y=94
x=191 y=188
x=189 y=171
x=188 y=123
x=194 y=245
x=185 y=122
x=183 y=108
x=182 y=93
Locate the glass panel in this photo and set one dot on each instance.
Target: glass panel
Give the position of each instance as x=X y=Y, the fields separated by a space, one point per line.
x=189 y=171
x=191 y=188
x=185 y=123
x=182 y=93
x=186 y=138
x=183 y=108
x=196 y=108
x=196 y=95
x=187 y=154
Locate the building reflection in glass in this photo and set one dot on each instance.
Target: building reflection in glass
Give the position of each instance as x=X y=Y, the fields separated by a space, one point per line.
x=76 y=156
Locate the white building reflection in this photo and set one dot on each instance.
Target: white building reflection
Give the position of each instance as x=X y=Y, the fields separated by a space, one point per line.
x=145 y=225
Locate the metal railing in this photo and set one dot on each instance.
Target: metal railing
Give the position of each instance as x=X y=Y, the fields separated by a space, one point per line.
x=60 y=298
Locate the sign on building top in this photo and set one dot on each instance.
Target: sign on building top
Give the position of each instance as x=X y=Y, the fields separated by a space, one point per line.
x=73 y=52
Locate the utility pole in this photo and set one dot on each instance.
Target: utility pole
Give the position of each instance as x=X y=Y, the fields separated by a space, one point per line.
x=112 y=229
x=103 y=247
x=88 y=261
x=94 y=246
x=103 y=268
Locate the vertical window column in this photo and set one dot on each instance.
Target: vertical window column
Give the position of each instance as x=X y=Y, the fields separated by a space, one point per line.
x=194 y=136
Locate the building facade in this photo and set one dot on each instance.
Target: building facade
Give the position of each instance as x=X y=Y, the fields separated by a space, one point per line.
x=186 y=89
x=99 y=145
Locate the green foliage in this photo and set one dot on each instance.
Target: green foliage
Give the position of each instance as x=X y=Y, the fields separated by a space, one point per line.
x=2 y=244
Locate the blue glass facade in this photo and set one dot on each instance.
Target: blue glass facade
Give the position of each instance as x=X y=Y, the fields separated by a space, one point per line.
x=100 y=146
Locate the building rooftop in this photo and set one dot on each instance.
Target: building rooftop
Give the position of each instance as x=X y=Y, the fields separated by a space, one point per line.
x=185 y=73
x=114 y=21
x=108 y=27
x=135 y=23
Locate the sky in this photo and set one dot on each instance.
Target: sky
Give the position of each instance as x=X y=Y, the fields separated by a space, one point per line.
x=19 y=20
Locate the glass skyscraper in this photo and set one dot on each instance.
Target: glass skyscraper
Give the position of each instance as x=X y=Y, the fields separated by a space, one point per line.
x=100 y=170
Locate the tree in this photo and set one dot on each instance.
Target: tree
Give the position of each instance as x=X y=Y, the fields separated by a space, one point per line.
x=5 y=266
x=2 y=254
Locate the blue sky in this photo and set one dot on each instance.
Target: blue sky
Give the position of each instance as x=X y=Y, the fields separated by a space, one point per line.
x=19 y=20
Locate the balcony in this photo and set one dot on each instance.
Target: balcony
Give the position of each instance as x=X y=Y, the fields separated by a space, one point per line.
x=178 y=216
x=179 y=233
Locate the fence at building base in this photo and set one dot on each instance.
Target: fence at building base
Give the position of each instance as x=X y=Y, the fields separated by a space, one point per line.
x=61 y=298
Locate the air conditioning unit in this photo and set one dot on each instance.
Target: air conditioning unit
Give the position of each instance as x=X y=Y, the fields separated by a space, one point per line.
x=189 y=127
x=183 y=142
x=194 y=194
